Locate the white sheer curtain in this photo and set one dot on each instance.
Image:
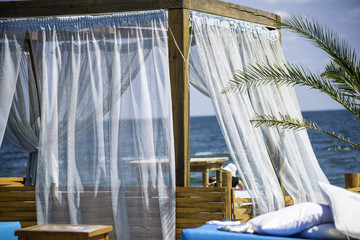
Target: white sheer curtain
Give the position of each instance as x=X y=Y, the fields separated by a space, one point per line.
x=290 y=151
x=220 y=47
x=23 y=127
x=105 y=145
x=11 y=41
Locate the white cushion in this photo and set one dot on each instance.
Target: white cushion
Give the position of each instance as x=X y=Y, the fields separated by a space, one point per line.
x=326 y=231
x=345 y=206
x=291 y=220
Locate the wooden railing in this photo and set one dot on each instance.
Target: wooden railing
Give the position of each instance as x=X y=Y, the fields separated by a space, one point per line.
x=194 y=207
x=17 y=203
x=197 y=205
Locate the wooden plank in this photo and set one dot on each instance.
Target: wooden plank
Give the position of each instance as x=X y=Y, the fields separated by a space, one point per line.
x=213 y=195
x=16 y=188
x=242 y=200
x=200 y=215
x=179 y=77
x=84 y=7
x=17 y=218
x=243 y=217
x=197 y=210
x=80 y=7
x=17 y=209
x=243 y=210
x=215 y=205
x=17 y=196
x=199 y=200
x=235 y=11
x=16 y=205
x=20 y=215
x=198 y=189
x=28 y=223
x=181 y=225
x=189 y=220
x=12 y=181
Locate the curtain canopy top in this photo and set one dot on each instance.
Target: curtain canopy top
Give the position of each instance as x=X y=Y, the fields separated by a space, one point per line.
x=83 y=22
x=237 y=25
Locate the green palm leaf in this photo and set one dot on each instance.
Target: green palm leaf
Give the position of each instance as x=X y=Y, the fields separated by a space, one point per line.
x=285 y=121
x=340 y=78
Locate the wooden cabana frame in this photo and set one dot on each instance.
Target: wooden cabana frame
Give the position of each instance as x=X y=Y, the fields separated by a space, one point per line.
x=178 y=18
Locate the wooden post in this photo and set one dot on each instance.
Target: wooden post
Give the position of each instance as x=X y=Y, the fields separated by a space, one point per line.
x=227 y=183
x=179 y=77
x=352 y=180
x=227 y=179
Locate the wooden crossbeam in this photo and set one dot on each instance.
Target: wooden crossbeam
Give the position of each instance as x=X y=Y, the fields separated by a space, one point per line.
x=44 y=8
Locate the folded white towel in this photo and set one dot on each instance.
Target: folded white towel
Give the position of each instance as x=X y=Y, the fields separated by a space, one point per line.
x=224 y=223
x=243 y=228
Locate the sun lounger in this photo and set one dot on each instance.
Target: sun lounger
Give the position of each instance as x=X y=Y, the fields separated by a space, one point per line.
x=210 y=231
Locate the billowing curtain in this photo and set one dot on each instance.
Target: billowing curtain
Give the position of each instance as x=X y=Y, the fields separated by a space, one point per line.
x=23 y=127
x=105 y=144
x=263 y=156
x=12 y=35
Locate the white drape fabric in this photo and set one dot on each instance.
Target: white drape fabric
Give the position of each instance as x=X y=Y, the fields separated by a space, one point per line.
x=222 y=46
x=103 y=128
x=12 y=35
x=23 y=126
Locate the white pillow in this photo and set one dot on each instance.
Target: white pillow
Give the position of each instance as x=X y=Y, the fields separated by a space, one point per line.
x=345 y=206
x=326 y=231
x=291 y=220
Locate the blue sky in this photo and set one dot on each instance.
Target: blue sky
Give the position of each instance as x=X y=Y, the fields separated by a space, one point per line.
x=343 y=16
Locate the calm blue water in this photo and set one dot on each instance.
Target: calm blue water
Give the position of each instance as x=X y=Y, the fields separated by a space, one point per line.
x=335 y=158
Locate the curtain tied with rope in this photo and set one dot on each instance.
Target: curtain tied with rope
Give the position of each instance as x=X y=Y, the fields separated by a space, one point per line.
x=264 y=156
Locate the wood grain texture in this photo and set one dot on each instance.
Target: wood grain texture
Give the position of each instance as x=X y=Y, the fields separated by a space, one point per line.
x=42 y=8
x=352 y=180
x=235 y=11
x=17 y=203
x=197 y=205
x=179 y=42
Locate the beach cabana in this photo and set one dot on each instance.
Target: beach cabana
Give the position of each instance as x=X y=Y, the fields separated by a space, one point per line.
x=98 y=93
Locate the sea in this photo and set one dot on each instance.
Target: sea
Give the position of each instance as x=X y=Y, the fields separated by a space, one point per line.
x=335 y=157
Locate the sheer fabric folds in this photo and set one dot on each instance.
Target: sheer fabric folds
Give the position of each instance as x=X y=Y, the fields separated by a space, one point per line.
x=101 y=119
x=12 y=35
x=220 y=47
x=23 y=126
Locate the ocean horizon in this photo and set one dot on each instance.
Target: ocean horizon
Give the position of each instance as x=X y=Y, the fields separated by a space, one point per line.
x=335 y=157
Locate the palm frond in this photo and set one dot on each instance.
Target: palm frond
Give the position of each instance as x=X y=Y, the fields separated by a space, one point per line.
x=343 y=81
x=287 y=122
x=256 y=75
x=336 y=47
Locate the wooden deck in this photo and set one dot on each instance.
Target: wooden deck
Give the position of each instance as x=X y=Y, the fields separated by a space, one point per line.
x=194 y=207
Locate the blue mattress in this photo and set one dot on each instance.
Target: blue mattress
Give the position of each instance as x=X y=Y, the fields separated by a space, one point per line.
x=210 y=232
x=7 y=230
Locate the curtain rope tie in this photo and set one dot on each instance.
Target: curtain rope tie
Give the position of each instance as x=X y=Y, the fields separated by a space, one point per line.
x=186 y=60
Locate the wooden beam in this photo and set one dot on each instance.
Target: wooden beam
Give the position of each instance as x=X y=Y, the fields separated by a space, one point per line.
x=352 y=180
x=42 y=8
x=179 y=76
x=234 y=11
